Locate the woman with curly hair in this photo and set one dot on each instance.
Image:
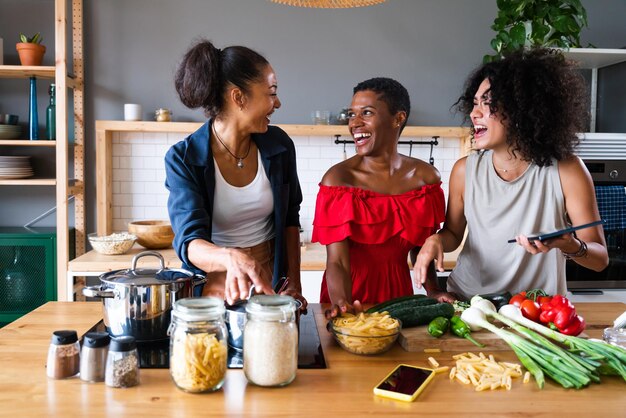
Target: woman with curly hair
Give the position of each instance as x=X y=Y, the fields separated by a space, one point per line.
x=524 y=179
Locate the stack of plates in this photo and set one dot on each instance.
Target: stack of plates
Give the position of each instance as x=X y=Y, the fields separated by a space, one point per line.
x=15 y=167
x=10 y=131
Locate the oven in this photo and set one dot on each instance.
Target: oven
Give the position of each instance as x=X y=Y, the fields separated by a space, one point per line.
x=609 y=177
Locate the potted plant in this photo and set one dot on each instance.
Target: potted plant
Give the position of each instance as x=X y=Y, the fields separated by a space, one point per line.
x=30 y=49
x=528 y=23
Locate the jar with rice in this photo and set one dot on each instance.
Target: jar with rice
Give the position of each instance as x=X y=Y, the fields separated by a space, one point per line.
x=198 y=351
x=270 y=340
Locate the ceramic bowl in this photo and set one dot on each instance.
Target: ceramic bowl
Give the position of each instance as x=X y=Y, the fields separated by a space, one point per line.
x=152 y=234
x=114 y=244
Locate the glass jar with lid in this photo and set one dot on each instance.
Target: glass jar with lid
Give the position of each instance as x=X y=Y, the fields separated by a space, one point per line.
x=198 y=351
x=63 y=355
x=122 y=366
x=270 y=340
x=163 y=115
x=615 y=336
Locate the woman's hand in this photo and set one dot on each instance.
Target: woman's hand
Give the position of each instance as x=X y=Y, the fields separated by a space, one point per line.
x=341 y=307
x=566 y=243
x=241 y=269
x=441 y=296
x=296 y=294
x=431 y=250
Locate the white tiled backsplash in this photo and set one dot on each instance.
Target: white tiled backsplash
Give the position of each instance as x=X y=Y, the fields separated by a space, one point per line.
x=139 y=176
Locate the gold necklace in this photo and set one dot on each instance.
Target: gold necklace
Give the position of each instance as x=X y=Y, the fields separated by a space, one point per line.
x=239 y=159
x=506 y=170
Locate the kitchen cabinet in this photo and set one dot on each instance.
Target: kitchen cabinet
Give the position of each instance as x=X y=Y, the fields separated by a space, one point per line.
x=599 y=145
x=68 y=16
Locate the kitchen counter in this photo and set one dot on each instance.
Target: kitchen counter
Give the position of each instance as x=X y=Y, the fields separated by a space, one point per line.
x=343 y=389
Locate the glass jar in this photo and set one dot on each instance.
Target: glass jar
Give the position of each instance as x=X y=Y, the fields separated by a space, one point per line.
x=163 y=115
x=63 y=355
x=615 y=336
x=122 y=367
x=93 y=356
x=198 y=350
x=270 y=340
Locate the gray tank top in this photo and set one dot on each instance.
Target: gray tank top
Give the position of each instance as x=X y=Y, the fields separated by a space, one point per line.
x=496 y=211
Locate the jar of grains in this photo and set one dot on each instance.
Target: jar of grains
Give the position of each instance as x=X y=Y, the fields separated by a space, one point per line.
x=270 y=340
x=93 y=356
x=63 y=355
x=122 y=368
x=198 y=351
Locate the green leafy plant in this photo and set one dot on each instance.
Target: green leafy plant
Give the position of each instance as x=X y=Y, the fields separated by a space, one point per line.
x=35 y=39
x=528 y=23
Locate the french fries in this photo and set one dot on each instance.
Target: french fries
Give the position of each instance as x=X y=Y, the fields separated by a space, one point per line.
x=365 y=333
x=484 y=372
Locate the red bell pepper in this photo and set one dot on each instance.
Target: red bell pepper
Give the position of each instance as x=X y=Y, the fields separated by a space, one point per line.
x=575 y=327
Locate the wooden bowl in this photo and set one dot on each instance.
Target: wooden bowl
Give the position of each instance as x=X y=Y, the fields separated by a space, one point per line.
x=152 y=234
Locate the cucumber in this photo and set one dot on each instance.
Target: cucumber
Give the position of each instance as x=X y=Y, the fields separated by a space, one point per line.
x=384 y=305
x=410 y=304
x=412 y=316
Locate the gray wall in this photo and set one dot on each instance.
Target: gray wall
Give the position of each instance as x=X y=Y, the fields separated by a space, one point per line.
x=132 y=48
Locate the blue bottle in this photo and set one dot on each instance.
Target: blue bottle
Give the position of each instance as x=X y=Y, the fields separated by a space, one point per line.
x=33 y=117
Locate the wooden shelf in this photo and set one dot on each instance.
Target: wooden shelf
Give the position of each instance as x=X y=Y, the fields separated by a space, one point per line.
x=27 y=71
x=28 y=143
x=28 y=182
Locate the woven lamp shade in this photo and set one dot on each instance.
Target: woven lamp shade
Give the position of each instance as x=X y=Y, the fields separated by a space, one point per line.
x=329 y=4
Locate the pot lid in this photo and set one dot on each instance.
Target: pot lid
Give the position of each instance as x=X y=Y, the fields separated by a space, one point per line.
x=146 y=277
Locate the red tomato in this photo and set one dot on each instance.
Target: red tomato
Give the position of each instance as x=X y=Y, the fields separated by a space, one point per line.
x=544 y=299
x=517 y=300
x=531 y=310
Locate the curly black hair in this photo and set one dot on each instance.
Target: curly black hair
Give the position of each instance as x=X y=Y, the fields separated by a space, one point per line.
x=541 y=98
x=390 y=91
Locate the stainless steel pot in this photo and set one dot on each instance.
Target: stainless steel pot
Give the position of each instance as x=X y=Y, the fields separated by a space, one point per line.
x=138 y=302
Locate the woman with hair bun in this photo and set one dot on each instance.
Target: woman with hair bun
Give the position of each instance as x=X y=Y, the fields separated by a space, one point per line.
x=524 y=179
x=234 y=197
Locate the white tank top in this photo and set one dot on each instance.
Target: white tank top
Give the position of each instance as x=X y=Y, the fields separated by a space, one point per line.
x=496 y=211
x=242 y=216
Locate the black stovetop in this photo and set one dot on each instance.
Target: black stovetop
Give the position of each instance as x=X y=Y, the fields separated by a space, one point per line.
x=155 y=354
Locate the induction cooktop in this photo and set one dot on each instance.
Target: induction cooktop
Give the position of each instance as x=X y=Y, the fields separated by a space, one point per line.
x=155 y=354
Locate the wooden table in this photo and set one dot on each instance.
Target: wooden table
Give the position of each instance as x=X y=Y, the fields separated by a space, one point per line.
x=343 y=390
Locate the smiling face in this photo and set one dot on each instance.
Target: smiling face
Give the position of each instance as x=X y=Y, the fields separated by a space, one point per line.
x=371 y=124
x=489 y=131
x=261 y=101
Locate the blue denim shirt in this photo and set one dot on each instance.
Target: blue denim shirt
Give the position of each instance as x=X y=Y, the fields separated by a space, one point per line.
x=190 y=179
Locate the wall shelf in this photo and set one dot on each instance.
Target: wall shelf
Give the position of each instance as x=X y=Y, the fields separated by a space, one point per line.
x=590 y=58
x=27 y=71
x=27 y=143
x=28 y=182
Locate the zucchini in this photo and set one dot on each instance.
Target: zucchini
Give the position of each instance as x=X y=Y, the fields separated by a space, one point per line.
x=412 y=316
x=384 y=305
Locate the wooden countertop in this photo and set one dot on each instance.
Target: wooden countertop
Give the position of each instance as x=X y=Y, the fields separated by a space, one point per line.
x=313 y=259
x=344 y=389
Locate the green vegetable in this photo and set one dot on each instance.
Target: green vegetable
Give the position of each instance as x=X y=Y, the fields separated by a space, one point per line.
x=461 y=329
x=384 y=305
x=498 y=299
x=438 y=326
x=35 y=39
x=413 y=315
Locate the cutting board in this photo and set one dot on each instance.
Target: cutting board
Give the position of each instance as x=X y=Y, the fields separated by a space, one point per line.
x=418 y=339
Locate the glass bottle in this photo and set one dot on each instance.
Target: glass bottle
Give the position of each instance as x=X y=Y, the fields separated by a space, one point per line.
x=270 y=340
x=122 y=367
x=33 y=116
x=93 y=356
x=198 y=350
x=51 y=115
x=63 y=355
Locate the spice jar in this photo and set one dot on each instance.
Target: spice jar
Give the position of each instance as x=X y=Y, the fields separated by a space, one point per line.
x=122 y=367
x=63 y=355
x=93 y=356
x=198 y=351
x=270 y=340
x=163 y=115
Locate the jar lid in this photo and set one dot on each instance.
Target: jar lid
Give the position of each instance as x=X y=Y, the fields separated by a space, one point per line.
x=125 y=343
x=272 y=307
x=198 y=309
x=62 y=337
x=96 y=339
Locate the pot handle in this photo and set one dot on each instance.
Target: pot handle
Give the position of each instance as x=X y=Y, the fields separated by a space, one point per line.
x=198 y=279
x=145 y=254
x=97 y=292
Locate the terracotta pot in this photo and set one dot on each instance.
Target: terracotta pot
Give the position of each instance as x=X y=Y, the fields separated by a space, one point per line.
x=30 y=54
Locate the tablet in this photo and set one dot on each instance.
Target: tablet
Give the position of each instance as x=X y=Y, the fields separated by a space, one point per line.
x=543 y=237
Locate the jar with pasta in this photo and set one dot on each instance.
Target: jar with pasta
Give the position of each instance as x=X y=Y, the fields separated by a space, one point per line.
x=270 y=340
x=198 y=351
